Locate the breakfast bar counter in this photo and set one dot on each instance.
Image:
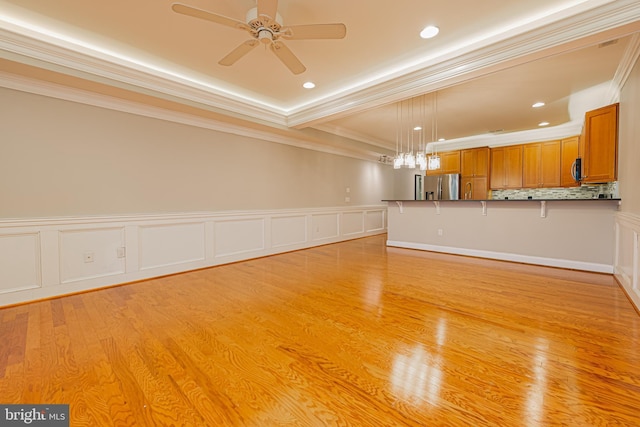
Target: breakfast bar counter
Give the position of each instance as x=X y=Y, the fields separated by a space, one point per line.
x=570 y=233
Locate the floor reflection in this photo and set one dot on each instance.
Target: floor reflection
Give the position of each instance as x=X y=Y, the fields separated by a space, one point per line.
x=372 y=295
x=417 y=377
x=538 y=389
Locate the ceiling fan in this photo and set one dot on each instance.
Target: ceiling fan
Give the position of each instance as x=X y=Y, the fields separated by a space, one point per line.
x=264 y=24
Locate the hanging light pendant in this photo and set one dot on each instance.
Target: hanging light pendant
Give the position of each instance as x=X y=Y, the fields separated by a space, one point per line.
x=434 y=159
x=398 y=160
x=421 y=155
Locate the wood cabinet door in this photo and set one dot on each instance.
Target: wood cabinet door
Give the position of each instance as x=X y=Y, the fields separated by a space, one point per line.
x=449 y=163
x=482 y=162
x=568 y=155
x=513 y=166
x=468 y=163
x=550 y=164
x=473 y=188
x=497 y=168
x=600 y=158
x=531 y=165
x=474 y=162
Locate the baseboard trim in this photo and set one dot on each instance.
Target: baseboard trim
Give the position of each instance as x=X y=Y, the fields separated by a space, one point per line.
x=525 y=259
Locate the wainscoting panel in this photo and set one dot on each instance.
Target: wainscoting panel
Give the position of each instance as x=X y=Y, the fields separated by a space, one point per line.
x=170 y=244
x=325 y=226
x=239 y=236
x=288 y=231
x=374 y=220
x=627 y=255
x=352 y=223
x=90 y=253
x=19 y=262
x=47 y=257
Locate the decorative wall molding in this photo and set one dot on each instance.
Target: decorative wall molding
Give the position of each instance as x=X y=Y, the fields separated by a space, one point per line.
x=627 y=255
x=48 y=257
x=550 y=34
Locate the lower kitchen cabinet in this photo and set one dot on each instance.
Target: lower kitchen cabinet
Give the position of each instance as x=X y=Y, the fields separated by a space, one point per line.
x=473 y=188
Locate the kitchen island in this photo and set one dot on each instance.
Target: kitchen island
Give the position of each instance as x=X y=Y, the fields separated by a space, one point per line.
x=569 y=233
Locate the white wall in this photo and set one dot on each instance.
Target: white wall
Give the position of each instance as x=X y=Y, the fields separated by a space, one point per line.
x=627 y=257
x=61 y=158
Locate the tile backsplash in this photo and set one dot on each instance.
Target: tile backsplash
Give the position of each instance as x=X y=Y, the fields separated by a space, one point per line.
x=608 y=190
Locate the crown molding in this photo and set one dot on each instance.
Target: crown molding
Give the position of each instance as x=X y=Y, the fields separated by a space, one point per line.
x=460 y=65
x=628 y=61
x=53 y=53
x=610 y=20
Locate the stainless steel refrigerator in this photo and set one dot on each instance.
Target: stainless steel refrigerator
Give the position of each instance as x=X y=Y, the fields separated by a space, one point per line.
x=442 y=187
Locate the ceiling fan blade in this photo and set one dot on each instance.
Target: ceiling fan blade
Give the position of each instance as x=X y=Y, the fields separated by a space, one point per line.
x=208 y=16
x=314 y=31
x=268 y=8
x=238 y=52
x=287 y=57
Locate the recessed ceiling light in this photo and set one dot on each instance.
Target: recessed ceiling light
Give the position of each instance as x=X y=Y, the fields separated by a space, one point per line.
x=429 y=32
x=309 y=85
x=538 y=105
x=417 y=128
x=543 y=124
x=441 y=139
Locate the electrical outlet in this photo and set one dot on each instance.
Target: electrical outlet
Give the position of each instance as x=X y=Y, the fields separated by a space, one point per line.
x=88 y=257
x=121 y=252
x=348 y=190
x=347 y=199
x=439 y=231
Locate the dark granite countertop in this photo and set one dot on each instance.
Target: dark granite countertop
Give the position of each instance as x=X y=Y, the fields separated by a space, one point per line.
x=509 y=200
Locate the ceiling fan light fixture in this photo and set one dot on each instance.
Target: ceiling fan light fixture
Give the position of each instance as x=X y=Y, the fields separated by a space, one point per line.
x=429 y=32
x=265 y=36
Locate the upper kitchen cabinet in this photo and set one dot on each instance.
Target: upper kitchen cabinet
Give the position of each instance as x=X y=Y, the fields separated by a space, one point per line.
x=449 y=163
x=600 y=154
x=541 y=164
x=474 y=171
x=568 y=155
x=506 y=167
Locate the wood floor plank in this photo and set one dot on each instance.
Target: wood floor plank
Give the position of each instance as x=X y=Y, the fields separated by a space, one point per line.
x=348 y=334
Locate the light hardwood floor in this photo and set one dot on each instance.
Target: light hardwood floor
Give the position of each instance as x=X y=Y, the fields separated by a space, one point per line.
x=349 y=334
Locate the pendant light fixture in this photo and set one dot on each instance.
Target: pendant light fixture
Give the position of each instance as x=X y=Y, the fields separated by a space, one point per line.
x=421 y=155
x=398 y=160
x=434 y=159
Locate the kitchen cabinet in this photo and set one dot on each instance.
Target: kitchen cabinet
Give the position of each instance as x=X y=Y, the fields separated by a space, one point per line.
x=600 y=155
x=506 y=167
x=449 y=163
x=568 y=155
x=541 y=164
x=474 y=171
